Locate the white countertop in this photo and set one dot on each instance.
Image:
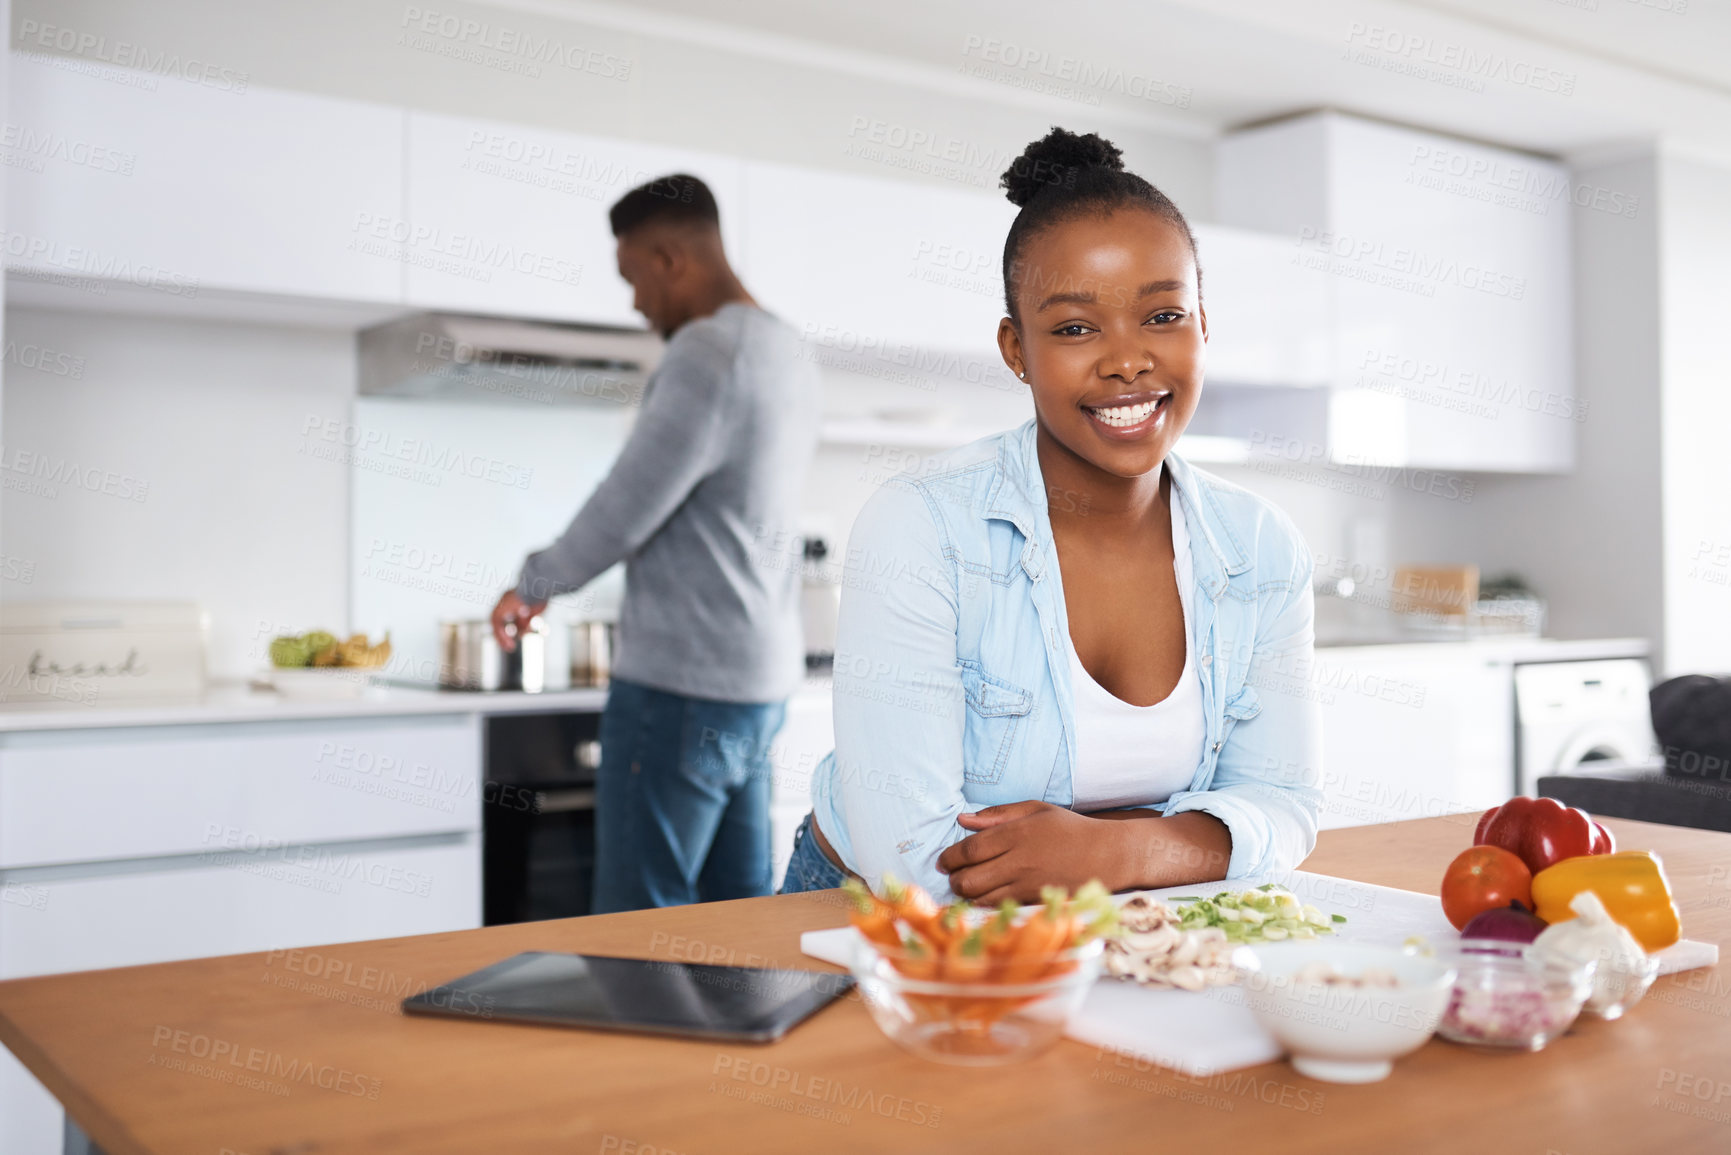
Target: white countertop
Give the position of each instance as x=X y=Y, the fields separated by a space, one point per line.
x=240 y=702
x=1506 y=648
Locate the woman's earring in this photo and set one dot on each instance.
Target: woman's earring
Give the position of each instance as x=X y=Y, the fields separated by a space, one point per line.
x=1023 y=374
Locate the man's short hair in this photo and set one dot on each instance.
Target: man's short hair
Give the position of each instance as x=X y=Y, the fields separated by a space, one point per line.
x=680 y=198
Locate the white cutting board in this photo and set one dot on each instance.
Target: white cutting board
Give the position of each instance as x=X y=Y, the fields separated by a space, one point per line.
x=1211 y=1031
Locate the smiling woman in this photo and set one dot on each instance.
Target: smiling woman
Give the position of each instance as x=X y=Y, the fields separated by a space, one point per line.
x=1063 y=653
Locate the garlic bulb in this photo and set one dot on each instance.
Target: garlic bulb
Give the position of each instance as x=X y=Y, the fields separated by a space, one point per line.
x=1593 y=936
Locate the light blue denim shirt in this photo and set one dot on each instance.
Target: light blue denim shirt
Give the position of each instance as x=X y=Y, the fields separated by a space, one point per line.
x=952 y=677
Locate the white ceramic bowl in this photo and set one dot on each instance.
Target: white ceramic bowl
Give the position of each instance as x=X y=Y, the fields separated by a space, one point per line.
x=1343 y=1034
x=322 y=683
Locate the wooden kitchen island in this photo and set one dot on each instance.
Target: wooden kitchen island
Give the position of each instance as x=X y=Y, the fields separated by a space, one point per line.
x=141 y=1056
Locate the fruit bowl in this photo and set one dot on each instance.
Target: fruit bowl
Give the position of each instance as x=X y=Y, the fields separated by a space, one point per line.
x=322 y=683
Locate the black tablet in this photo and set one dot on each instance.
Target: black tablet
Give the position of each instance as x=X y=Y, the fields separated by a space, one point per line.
x=745 y=1004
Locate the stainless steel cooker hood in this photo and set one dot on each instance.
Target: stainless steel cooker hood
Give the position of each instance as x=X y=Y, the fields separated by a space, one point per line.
x=451 y=356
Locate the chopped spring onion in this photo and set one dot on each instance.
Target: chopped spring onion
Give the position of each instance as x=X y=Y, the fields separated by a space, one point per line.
x=1269 y=913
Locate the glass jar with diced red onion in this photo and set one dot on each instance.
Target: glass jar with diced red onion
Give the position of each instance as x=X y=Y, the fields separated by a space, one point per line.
x=1506 y=996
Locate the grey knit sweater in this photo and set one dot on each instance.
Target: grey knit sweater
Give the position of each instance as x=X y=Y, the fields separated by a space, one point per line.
x=702 y=506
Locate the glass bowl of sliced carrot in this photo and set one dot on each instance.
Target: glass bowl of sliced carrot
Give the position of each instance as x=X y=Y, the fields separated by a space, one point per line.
x=974 y=987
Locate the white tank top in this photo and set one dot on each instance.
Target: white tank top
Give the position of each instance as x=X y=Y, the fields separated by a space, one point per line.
x=1136 y=755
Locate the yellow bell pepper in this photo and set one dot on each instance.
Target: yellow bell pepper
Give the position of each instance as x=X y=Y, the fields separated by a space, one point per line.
x=1631 y=884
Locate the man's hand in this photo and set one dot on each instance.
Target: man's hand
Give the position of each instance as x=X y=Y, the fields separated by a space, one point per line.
x=515 y=612
x=1023 y=846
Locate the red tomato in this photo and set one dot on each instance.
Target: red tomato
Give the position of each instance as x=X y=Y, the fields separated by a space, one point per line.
x=1484 y=878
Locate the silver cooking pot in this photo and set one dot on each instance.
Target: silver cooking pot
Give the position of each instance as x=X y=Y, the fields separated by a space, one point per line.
x=470 y=658
x=592 y=646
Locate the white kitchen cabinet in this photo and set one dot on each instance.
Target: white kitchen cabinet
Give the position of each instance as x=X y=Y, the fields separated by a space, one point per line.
x=1412 y=732
x=31 y=1120
x=1268 y=315
x=180 y=187
x=160 y=790
x=511 y=219
x=1447 y=271
x=238 y=902
x=903 y=283
x=895 y=276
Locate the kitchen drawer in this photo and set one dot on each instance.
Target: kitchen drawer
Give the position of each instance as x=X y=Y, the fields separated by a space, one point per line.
x=231 y=904
x=97 y=795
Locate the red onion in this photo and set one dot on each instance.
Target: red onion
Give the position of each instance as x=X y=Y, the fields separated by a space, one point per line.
x=1511 y=923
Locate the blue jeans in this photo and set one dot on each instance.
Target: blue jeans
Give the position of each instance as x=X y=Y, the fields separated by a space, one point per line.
x=681 y=799
x=809 y=868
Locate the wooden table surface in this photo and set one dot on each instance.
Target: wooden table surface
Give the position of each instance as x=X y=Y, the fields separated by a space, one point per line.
x=144 y=1058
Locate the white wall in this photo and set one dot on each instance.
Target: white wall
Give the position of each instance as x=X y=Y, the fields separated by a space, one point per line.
x=433 y=544
x=196 y=431
x=1695 y=248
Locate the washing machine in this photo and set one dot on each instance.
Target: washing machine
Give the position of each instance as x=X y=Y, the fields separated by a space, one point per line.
x=1571 y=715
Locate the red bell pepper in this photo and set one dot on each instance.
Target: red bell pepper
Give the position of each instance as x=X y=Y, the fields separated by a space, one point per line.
x=1542 y=832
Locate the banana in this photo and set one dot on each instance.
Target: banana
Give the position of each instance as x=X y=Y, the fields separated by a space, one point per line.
x=317 y=648
x=380 y=654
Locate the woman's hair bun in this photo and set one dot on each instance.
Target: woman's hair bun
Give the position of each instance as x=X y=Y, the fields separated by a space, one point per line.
x=1055 y=160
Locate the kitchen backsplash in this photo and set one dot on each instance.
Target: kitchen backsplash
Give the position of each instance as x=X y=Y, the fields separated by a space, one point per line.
x=150 y=459
x=447 y=500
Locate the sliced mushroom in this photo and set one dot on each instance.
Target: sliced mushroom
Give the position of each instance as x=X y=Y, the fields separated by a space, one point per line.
x=1184 y=954
x=1187 y=978
x=1154 y=942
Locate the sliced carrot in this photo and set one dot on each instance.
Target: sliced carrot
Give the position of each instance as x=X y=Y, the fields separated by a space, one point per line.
x=965 y=960
x=952 y=923
x=1006 y=945
x=1041 y=937
x=1092 y=914
x=1095 y=901
x=999 y=932
x=914 y=907
x=924 y=941
x=916 y=959
x=860 y=899
x=871 y=915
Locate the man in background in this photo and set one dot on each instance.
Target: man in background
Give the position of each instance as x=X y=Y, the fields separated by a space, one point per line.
x=709 y=639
